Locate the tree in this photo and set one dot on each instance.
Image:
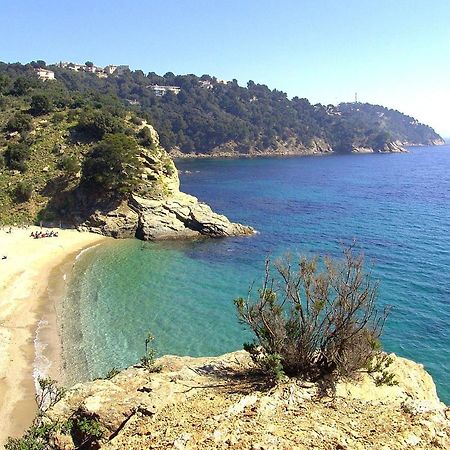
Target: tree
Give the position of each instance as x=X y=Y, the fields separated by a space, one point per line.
x=98 y=123
x=40 y=104
x=89 y=64
x=21 y=86
x=314 y=323
x=113 y=165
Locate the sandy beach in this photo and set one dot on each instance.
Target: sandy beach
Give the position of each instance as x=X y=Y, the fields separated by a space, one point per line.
x=24 y=277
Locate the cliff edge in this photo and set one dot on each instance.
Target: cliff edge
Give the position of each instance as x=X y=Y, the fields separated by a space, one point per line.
x=218 y=402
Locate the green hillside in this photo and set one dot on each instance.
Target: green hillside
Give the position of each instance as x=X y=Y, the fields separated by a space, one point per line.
x=60 y=148
x=57 y=144
x=205 y=114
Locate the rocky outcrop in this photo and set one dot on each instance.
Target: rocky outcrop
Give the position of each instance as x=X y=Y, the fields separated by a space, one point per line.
x=157 y=210
x=389 y=147
x=288 y=147
x=218 y=402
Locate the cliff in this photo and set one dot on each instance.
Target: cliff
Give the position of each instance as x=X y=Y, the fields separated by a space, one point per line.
x=157 y=210
x=218 y=402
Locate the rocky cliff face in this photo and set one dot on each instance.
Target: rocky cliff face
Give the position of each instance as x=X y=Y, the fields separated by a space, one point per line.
x=157 y=210
x=215 y=403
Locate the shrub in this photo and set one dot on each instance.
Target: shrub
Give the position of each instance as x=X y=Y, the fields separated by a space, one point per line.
x=145 y=138
x=20 y=122
x=58 y=117
x=37 y=437
x=16 y=155
x=314 y=323
x=70 y=165
x=136 y=120
x=40 y=104
x=23 y=192
x=148 y=360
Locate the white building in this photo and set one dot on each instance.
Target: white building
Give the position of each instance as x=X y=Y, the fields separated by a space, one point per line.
x=45 y=74
x=110 y=69
x=162 y=90
x=205 y=84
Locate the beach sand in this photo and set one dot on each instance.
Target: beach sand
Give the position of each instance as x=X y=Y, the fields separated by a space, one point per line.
x=25 y=305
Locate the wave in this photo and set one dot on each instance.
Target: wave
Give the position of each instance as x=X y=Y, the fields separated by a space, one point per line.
x=41 y=364
x=85 y=250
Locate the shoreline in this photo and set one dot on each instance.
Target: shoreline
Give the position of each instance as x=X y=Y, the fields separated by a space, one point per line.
x=178 y=155
x=30 y=287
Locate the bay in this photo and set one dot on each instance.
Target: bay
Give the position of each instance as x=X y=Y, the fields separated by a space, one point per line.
x=396 y=207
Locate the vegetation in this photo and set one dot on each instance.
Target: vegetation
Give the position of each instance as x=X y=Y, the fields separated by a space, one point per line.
x=70 y=165
x=16 y=156
x=112 y=165
x=48 y=130
x=84 y=430
x=38 y=435
x=149 y=357
x=314 y=318
x=23 y=191
x=20 y=122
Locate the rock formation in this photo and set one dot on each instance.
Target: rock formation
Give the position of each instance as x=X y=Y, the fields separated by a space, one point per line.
x=157 y=210
x=217 y=402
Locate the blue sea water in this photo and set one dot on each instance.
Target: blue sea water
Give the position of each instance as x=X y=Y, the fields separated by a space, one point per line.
x=396 y=207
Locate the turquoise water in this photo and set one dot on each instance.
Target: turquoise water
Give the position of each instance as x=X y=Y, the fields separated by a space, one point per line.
x=396 y=206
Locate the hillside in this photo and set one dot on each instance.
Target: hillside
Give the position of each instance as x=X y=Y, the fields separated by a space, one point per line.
x=84 y=160
x=205 y=115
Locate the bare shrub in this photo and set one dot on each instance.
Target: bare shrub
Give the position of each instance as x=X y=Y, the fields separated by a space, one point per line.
x=315 y=318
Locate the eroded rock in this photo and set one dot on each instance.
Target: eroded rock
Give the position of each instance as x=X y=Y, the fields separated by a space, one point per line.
x=218 y=403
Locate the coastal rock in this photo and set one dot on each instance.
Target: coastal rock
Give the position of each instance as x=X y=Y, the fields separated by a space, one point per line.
x=182 y=216
x=219 y=402
x=157 y=210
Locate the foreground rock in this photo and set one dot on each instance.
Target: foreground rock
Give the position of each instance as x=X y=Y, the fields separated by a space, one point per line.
x=158 y=210
x=215 y=403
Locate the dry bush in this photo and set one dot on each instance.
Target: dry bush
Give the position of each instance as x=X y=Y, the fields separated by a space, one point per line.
x=315 y=318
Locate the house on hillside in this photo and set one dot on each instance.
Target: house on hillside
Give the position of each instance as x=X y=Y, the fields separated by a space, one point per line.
x=205 y=84
x=162 y=90
x=44 y=74
x=110 y=69
x=75 y=67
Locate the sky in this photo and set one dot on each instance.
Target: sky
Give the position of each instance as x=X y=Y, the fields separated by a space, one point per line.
x=390 y=52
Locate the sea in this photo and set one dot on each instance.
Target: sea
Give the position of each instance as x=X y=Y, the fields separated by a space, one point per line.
x=395 y=208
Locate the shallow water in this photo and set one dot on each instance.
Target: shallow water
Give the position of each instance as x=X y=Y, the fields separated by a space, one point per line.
x=396 y=206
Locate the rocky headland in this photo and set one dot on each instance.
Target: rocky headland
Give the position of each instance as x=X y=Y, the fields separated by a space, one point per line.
x=220 y=402
x=157 y=209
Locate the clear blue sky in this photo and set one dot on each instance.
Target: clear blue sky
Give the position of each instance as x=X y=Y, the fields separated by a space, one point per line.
x=392 y=52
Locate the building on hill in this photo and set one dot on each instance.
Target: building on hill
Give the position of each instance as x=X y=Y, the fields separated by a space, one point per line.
x=162 y=90
x=44 y=74
x=75 y=67
x=110 y=69
x=205 y=84
x=99 y=71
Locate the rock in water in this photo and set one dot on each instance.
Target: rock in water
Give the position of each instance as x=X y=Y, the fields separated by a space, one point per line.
x=157 y=210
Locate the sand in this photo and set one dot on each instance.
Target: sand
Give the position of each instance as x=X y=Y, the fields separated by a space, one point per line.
x=24 y=277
